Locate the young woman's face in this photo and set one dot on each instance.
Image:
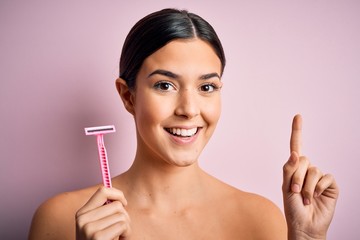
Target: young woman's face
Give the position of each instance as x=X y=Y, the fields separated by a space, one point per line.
x=177 y=101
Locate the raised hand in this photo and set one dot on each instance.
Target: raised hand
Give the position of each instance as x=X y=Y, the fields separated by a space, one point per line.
x=309 y=195
x=96 y=220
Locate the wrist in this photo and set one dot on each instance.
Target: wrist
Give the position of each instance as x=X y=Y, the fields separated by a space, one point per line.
x=301 y=235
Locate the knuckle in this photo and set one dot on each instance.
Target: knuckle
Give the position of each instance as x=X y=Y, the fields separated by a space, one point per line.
x=118 y=217
x=123 y=228
x=307 y=192
x=319 y=188
x=80 y=221
x=97 y=236
x=286 y=168
x=304 y=160
x=122 y=195
x=117 y=205
x=297 y=180
x=103 y=190
x=123 y=218
x=315 y=171
x=78 y=214
x=330 y=176
x=86 y=229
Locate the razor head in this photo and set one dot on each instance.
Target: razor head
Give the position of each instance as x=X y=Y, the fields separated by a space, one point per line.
x=100 y=130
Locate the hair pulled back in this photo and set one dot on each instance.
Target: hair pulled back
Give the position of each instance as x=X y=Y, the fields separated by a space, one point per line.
x=156 y=30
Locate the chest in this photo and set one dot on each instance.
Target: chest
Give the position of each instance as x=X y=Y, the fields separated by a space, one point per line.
x=187 y=225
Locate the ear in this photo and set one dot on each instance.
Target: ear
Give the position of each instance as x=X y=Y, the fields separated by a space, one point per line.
x=126 y=95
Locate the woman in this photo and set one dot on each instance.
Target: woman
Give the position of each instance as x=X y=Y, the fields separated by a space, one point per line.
x=170 y=81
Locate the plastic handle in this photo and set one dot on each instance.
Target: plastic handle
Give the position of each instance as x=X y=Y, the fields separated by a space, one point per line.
x=103 y=161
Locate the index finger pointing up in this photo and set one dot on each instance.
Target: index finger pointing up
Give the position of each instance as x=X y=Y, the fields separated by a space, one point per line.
x=295 y=140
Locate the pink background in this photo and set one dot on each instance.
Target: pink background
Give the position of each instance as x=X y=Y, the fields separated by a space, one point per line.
x=59 y=60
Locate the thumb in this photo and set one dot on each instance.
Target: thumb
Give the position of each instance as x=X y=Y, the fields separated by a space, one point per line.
x=289 y=169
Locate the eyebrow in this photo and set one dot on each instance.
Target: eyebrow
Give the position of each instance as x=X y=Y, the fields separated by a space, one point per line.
x=210 y=75
x=176 y=76
x=164 y=73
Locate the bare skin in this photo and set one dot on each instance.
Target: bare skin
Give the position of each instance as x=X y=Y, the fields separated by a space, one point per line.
x=234 y=214
x=309 y=195
x=165 y=194
x=216 y=212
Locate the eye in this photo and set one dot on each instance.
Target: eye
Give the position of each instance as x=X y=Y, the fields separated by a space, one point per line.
x=209 y=87
x=164 y=86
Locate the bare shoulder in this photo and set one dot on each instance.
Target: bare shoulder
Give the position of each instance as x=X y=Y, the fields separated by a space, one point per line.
x=267 y=220
x=55 y=218
x=255 y=215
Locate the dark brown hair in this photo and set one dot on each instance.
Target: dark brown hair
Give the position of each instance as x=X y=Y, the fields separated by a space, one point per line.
x=157 y=29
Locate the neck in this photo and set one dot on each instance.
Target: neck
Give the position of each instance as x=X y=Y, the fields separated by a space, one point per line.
x=151 y=183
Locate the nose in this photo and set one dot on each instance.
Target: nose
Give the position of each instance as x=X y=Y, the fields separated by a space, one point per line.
x=187 y=104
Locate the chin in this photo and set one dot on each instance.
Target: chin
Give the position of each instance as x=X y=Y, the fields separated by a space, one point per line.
x=186 y=164
x=183 y=163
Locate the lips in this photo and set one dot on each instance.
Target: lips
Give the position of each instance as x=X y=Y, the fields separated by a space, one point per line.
x=182 y=132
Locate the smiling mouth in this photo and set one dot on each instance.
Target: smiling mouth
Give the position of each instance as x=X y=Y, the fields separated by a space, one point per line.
x=180 y=132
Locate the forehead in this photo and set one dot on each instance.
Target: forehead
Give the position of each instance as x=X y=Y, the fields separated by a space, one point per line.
x=184 y=57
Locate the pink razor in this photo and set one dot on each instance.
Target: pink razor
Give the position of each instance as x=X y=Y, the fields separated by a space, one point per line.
x=99 y=132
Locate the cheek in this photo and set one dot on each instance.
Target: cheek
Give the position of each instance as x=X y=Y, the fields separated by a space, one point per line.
x=152 y=109
x=213 y=111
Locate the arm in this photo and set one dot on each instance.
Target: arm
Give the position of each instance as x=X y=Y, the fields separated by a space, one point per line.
x=309 y=195
x=60 y=217
x=54 y=219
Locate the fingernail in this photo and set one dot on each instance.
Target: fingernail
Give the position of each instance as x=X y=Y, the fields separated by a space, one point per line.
x=316 y=194
x=306 y=201
x=295 y=188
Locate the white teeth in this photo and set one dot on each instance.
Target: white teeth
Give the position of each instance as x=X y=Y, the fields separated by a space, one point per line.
x=182 y=132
